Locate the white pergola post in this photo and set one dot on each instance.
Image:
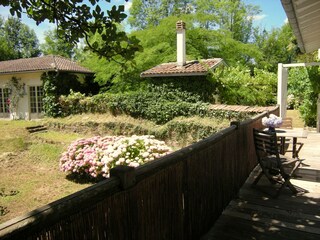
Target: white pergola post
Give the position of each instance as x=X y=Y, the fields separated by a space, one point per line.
x=318 y=113
x=282 y=89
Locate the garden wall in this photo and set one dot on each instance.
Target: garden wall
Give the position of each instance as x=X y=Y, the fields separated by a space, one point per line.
x=176 y=197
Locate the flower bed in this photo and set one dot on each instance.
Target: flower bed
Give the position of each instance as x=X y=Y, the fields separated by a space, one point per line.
x=94 y=157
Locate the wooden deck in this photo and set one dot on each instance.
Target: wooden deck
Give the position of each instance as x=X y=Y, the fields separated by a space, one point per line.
x=255 y=215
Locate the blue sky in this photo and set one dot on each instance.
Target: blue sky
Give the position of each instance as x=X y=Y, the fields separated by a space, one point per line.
x=45 y=26
x=272 y=15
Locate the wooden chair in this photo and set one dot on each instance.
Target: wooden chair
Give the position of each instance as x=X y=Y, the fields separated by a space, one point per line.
x=277 y=168
x=285 y=143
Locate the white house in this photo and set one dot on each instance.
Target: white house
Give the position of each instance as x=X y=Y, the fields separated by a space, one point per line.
x=28 y=71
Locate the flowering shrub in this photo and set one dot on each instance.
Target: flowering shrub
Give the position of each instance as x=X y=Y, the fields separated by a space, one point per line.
x=272 y=121
x=95 y=156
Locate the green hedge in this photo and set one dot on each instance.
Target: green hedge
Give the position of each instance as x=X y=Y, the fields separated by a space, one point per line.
x=144 y=105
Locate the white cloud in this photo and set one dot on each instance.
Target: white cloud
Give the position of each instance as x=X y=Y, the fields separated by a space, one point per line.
x=258 y=17
x=127 y=6
x=286 y=21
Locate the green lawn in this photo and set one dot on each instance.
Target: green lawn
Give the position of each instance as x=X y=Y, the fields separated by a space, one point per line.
x=297 y=122
x=29 y=168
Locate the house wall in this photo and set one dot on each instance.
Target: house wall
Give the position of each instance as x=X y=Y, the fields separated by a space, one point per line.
x=23 y=109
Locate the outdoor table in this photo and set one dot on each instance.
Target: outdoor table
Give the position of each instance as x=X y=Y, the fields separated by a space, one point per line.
x=294 y=133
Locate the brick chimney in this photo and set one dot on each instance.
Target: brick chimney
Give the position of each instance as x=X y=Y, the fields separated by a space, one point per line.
x=181 y=43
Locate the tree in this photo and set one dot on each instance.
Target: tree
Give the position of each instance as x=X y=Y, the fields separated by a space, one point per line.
x=159 y=46
x=237 y=86
x=144 y=14
x=277 y=46
x=6 y=52
x=19 y=41
x=56 y=46
x=231 y=15
x=77 y=21
x=303 y=89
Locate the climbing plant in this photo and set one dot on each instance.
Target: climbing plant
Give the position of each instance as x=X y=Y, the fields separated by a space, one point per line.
x=17 y=91
x=50 y=99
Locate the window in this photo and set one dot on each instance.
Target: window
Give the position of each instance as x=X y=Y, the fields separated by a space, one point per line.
x=4 y=100
x=36 y=95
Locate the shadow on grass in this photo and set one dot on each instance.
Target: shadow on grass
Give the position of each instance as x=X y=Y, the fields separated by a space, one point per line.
x=83 y=179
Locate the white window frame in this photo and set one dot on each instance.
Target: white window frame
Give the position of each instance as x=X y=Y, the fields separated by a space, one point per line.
x=38 y=100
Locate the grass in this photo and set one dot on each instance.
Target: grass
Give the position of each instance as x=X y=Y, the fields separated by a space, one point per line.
x=297 y=121
x=29 y=164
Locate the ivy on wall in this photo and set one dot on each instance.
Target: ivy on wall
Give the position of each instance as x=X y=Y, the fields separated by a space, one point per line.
x=50 y=100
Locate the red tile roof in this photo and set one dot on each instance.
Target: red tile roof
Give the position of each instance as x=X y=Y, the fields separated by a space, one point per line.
x=191 y=68
x=44 y=63
x=239 y=108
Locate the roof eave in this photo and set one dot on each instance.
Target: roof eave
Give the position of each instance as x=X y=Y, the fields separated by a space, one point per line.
x=173 y=74
x=292 y=18
x=43 y=70
x=221 y=61
x=30 y=71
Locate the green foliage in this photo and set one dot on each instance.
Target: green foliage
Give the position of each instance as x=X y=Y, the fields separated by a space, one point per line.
x=159 y=100
x=298 y=85
x=277 y=46
x=159 y=46
x=50 y=99
x=225 y=15
x=144 y=14
x=73 y=104
x=56 y=85
x=17 y=40
x=77 y=20
x=192 y=129
x=233 y=16
x=145 y=105
x=238 y=86
x=304 y=87
x=56 y=46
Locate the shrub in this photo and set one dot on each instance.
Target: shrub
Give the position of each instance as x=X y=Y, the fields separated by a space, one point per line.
x=304 y=87
x=143 y=105
x=94 y=157
x=239 y=86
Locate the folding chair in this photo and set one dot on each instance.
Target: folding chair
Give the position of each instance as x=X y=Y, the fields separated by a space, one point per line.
x=277 y=168
x=284 y=143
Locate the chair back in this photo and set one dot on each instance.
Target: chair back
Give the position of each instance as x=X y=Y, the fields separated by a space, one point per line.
x=277 y=170
x=265 y=143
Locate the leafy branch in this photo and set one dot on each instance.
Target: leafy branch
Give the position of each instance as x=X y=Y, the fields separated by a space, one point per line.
x=77 y=21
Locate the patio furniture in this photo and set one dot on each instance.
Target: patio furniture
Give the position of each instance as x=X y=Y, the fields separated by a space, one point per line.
x=286 y=144
x=277 y=168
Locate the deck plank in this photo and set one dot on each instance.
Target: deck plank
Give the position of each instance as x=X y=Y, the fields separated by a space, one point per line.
x=255 y=215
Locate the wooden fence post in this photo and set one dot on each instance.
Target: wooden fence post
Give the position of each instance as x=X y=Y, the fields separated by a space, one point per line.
x=318 y=113
x=126 y=174
x=235 y=123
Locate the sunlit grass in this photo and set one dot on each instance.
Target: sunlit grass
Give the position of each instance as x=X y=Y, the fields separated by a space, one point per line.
x=29 y=164
x=297 y=121
x=59 y=137
x=13 y=144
